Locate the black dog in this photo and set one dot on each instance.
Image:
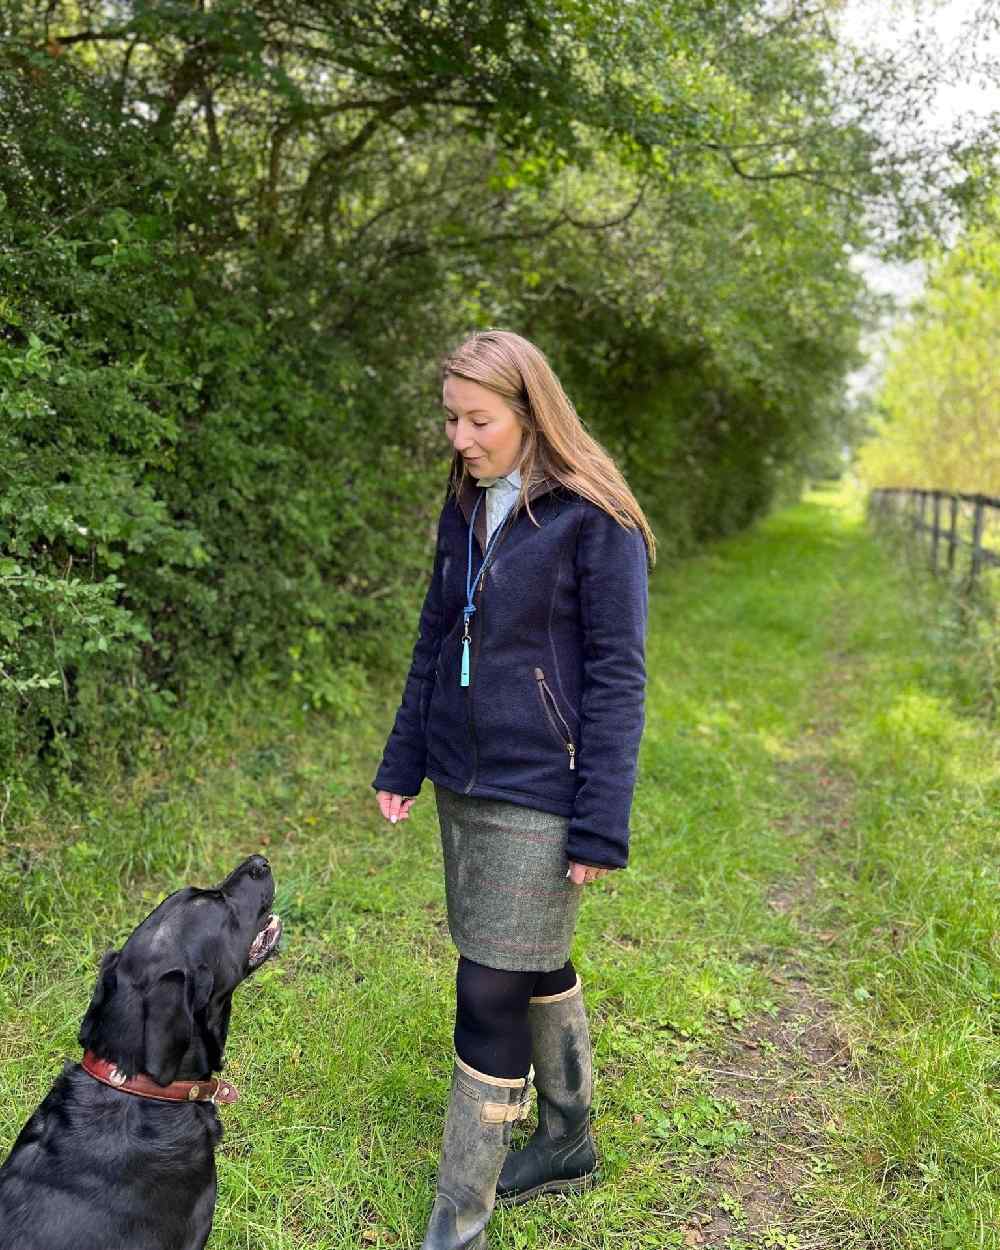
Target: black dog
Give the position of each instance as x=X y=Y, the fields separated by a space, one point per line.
x=120 y=1155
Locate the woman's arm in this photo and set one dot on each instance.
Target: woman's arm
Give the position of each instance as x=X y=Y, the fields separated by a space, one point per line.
x=405 y=758
x=611 y=567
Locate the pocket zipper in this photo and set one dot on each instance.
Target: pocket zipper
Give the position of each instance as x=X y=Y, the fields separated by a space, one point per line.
x=543 y=689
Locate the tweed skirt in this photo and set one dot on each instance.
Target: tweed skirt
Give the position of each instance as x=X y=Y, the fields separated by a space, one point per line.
x=510 y=904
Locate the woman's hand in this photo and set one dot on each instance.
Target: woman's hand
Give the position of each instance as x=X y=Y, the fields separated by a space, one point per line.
x=394 y=807
x=581 y=874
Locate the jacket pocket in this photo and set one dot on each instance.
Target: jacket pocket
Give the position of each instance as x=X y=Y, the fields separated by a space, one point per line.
x=557 y=722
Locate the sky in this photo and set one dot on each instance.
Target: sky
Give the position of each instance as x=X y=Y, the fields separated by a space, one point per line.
x=894 y=25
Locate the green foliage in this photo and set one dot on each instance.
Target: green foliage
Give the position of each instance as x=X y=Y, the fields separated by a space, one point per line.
x=935 y=417
x=703 y=1125
x=233 y=242
x=184 y=484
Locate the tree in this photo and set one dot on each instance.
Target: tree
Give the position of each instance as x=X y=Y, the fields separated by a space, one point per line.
x=236 y=236
x=937 y=414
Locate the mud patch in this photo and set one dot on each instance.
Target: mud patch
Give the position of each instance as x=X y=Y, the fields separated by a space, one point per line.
x=774 y=1075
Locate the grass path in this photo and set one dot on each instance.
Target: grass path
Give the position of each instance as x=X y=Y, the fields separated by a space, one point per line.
x=794 y=988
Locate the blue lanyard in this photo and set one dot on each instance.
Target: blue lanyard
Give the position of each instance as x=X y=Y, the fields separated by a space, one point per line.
x=470 y=587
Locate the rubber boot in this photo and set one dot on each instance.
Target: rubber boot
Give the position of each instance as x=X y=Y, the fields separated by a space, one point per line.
x=481 y=1112
x=560 y=1156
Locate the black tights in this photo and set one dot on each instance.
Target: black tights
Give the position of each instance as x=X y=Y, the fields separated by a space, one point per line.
x=492 y=1033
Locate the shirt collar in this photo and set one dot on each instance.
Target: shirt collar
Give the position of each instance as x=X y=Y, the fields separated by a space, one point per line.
x=513 y=478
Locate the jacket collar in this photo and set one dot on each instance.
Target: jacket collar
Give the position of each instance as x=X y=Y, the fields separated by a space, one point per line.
x=470 y=492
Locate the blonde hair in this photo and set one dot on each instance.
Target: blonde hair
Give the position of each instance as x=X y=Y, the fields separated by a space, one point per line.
x=555 y=443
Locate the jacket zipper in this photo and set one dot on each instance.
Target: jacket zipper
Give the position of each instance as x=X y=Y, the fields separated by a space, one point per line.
x=469 y=689
x=543 y=690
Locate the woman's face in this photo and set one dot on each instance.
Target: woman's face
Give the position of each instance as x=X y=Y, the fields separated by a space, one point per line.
x=481 y=427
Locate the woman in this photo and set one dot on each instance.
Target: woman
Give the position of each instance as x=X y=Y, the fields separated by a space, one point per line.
x=524 y=707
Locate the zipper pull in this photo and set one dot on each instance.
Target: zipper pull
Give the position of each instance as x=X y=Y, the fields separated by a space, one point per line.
x=572 y=756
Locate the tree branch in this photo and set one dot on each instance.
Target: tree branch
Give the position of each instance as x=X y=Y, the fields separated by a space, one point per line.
x=214 y=142
x=818 y=177
x=90 y=36
x=614 y=221
x=190 y=74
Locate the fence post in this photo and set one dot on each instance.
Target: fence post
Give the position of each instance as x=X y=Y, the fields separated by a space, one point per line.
x=977 y=540
x=953 y=534
x=937 y=530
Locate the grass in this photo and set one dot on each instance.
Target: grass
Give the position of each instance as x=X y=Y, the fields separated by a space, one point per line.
x=814 y=857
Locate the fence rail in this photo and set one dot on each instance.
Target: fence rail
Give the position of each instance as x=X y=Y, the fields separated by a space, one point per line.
x=972 y=522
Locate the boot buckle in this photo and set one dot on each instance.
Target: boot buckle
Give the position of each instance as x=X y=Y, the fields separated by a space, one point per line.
x=509 y=1112
x=504 y=1112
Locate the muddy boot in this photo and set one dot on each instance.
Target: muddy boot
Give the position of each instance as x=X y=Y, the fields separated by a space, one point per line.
x=560 y=1157
x=477 y=1130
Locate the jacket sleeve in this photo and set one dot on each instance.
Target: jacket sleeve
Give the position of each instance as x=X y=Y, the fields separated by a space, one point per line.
x=613 y=589
x=404 y=760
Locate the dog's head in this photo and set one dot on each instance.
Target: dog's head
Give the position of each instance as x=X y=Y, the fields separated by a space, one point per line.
x=162 y=1003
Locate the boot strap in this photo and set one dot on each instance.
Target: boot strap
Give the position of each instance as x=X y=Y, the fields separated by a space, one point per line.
x=506 y=1112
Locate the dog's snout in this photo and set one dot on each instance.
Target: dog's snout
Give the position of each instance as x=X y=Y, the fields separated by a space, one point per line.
x=259 y=867
x=254 y=868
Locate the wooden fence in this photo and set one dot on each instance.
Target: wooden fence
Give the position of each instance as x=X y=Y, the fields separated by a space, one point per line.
x=950 y=524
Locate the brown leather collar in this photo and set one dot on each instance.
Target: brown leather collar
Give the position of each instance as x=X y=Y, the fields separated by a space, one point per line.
x=213 y=1089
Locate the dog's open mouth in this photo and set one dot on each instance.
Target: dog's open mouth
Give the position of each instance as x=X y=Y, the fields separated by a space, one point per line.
x=265 y=941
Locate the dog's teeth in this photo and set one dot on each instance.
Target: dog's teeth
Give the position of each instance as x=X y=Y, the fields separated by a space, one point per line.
x=265 y=937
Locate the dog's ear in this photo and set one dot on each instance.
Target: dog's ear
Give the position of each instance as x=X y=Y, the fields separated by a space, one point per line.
x=90 y=1030
x=169 y=1007
x=168 y=1025
x=201 y=987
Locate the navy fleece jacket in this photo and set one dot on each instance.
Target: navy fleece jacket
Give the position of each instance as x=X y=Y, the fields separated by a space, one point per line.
x=554 y=711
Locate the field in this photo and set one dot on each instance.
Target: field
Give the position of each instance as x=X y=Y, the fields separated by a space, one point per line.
x=793 y=988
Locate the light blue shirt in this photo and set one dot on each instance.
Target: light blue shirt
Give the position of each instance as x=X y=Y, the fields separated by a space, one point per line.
x=500 y=495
